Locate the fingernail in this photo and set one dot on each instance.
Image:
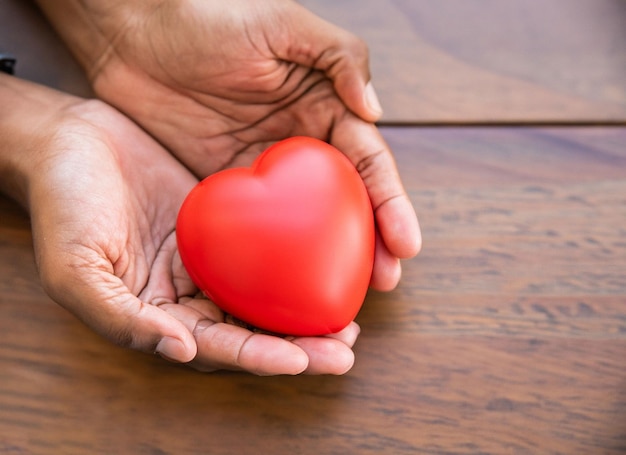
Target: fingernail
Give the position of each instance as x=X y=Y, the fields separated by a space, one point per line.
x=172 y=349
x=371 y=99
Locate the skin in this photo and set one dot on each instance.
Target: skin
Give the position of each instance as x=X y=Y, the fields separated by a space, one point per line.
x=217 y=82
x=103 y=198
x=213 y=84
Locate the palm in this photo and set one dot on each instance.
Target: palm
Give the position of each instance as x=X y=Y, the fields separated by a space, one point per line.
x=217 y=82
x=217 y=93
x=110 y=220
x=106 y=250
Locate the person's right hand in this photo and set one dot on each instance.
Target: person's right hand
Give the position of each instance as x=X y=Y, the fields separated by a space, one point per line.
x=103 y=198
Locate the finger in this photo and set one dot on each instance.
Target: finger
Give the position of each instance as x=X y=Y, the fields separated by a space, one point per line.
x=326 y=355
x=206 y=308
x=229 y=347
x=395 y=217
x=348 y=335
x=103 y=302
x=342 y=56
x=387 y=269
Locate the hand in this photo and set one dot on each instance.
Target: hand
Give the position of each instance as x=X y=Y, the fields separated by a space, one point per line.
x=103 y=198
x=217 y=82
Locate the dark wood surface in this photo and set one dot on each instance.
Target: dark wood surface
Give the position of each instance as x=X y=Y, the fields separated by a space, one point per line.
x=507 y=335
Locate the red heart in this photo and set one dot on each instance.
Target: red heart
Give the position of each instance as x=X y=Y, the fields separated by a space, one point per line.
x=286 y=245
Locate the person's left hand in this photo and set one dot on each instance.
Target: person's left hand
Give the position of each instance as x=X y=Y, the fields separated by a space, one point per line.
x=103 y=198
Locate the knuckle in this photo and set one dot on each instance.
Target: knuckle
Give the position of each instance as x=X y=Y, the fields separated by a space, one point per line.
x=371 y=163
x=123 y=337
x=356 y=47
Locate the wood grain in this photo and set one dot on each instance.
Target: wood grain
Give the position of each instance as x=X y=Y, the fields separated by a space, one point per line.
x=488 y=61
x=507 y=335
x=450 y=61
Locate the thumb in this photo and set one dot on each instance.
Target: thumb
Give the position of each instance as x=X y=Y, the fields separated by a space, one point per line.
x=104 y=303
x=342 y=56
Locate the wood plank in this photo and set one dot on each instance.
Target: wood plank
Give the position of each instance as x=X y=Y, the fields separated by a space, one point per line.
x=476 y=61
x=451 y=61
x=506 y=335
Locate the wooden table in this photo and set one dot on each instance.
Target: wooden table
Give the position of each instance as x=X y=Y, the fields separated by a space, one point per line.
x=507 y=335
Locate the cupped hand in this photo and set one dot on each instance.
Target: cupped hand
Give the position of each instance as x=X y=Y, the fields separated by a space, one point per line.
x=103 y=198
x=217 y=82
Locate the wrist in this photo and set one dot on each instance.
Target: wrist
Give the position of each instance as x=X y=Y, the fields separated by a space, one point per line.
x=92 y=28
x=72 y=21
x=29 y=116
